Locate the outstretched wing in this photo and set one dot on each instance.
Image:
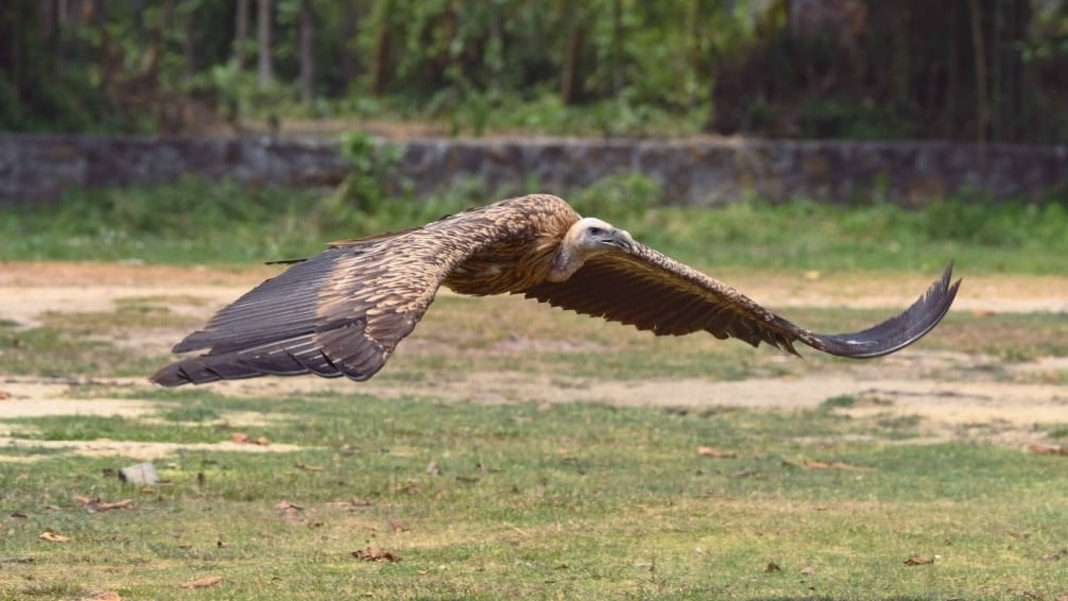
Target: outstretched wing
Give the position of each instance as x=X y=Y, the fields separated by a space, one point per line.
x=341 y=312
x=644 y=288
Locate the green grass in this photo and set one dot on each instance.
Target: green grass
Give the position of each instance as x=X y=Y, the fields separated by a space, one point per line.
x=196 y=221
x=530 y=500
x=559 y=502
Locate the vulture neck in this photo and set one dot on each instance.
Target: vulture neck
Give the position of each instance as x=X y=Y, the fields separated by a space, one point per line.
x=569 y=257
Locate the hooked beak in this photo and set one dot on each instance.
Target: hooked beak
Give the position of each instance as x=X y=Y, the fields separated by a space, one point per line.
x=620 y=239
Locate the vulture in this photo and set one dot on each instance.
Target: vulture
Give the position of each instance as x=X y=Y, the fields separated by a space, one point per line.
x=343 y=312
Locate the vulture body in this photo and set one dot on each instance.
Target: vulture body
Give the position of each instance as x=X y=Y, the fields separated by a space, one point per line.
x=343 y=312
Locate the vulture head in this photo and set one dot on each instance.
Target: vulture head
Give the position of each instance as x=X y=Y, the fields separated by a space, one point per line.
x=587 y=237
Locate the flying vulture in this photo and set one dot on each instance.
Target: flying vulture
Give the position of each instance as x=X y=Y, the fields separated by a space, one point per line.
x=342 y=312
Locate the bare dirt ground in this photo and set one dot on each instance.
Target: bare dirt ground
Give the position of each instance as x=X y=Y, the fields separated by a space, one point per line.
x=1003 y=412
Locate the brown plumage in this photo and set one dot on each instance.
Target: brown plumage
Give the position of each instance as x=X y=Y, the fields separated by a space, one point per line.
x=343 y=311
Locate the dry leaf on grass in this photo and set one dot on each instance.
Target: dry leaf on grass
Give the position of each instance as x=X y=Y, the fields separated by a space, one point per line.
x=103 y=596
x=17 y=515
x=240 y=438
x=98 y=506
x=207 y=581
x=1047 y=449
x=373 y=553
x=814 y=464
x=772 y=567
x=5 y=395
x=716 y=453
x=919 y=560
x=808 y=570
x=285 y=505
x=350 y=505
x=396 y=526
x=1056 y=555
x=262 y=441
x=52 y=537
x=310 y=468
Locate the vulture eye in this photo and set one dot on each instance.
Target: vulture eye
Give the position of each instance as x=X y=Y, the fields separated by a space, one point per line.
x=596 y=231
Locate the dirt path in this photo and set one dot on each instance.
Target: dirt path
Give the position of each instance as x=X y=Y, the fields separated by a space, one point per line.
x=1002 y=412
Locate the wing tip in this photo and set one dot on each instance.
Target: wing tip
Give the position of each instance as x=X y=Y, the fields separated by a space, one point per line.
x=900 y=331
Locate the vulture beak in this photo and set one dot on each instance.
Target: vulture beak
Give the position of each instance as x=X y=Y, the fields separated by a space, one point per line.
x=620 y=239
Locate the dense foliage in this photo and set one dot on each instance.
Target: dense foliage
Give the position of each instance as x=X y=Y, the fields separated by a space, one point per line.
x=966 y=69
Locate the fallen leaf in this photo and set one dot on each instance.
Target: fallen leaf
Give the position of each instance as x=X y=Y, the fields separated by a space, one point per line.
x=4 y=395
x=772 y=567
x=373 y=553
x=808 y=570
x=52 y=537
x=1056 y=555
x=350 y=505
x=814 y=464
x=103 y=596
x=240 y=438
x=433 y=469
x=919 y=560
x=310 y=468
x=207 y=581
x=1047 y=449
x=716 y=453
x=98 y=506
x=396 y=526
x=284 y=505
x=18 y=515
x=262 y=441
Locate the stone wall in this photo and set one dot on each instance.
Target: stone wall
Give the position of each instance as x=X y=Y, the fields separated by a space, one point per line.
x=693 y=172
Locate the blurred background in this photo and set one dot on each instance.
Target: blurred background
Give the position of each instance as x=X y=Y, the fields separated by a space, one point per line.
x=781 y=134
x=975 y=70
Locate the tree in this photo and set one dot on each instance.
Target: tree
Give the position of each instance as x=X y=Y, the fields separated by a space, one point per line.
x=266 y=64
x=307 y=58
x=241 y=34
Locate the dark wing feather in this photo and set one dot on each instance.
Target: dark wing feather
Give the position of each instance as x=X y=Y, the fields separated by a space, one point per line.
x=341 y=312
x=650 y=291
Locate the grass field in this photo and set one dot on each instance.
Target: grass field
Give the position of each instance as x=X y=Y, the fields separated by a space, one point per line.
x=512 y=451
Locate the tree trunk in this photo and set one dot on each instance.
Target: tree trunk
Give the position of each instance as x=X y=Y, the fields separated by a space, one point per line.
x=348 y=34
x=241 y=34
x=307 y=58
x=618 y=64
x=378 y=72
x=266 y=68
x=571 y=64
x=188 y=42
x=981 y=86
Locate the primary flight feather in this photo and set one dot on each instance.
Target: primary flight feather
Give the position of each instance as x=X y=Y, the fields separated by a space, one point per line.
x=343 y=312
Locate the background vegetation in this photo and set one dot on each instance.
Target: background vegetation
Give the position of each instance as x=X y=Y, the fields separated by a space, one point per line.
x=201 y=221
x=964 y=69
